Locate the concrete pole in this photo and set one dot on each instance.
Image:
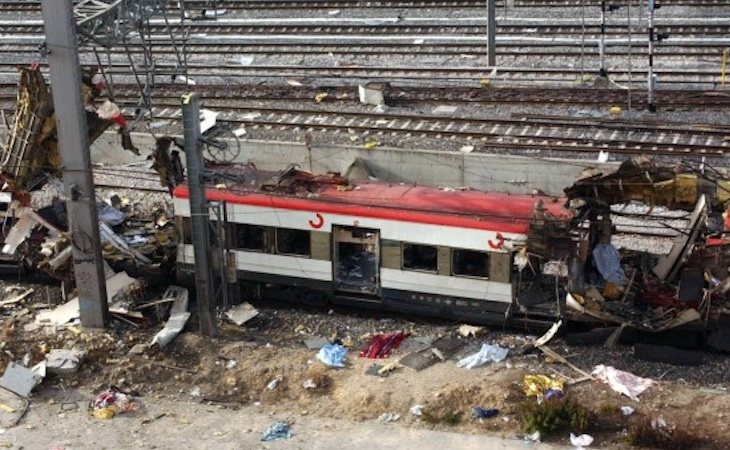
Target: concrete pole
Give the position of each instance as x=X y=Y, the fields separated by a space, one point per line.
x=199 y=215
x=73 y=143
x=491 y=33
x=650 y=73
x=602 y=45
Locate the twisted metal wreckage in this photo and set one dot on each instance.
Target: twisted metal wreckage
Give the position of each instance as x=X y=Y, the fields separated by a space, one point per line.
x=37 y=237
x=571 y=265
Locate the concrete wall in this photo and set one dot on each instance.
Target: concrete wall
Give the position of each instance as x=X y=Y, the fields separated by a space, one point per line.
x=514 y=174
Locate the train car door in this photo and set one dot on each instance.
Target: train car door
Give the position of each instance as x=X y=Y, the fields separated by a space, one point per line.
x=356 y=259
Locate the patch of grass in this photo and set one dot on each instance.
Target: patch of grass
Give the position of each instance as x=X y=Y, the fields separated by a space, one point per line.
x=555 y=416
x=643 y=434
x=450 y=418
x=608 y=409
x=453 y=417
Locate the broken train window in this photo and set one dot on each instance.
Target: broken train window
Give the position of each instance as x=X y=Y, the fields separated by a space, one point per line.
x=470 y=263
x=420 y=257
x=292 y=242
x=187 y=231
x=249 y=237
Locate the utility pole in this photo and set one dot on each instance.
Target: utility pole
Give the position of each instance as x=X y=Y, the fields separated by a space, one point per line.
x=491 y=33
x=602 y=45
x=199 y=215
x=650 y=73
x=73 y=143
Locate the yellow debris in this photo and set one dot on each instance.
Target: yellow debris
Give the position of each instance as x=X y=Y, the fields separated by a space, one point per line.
x=387 y=368
x=319 y=98
x=537 y=385
x=485 y=82
x=615 y=110
x=370 y=145
x=106 y=413
x=6 y=408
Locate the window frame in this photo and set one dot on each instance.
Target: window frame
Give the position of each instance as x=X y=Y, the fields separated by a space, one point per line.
x=435 y=270
x=235 y=240
x=487 y=254
x=309 y=243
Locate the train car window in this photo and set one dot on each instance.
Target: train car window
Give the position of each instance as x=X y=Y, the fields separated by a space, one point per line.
x=186 y=233
x=292 y=242
x=249 y=237
x=470 y=263
x=420 y=257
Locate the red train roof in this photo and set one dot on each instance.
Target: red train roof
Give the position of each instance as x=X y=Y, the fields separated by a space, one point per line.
x=450 y=207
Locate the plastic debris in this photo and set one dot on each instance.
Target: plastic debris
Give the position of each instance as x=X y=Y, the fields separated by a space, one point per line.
x=389 y=417
x=416 y=410
x=381 y=345
x=487 y=353
x=627 y=410
x=309 y=384
x=584 y=440
x=608 y=263
x=370 y=145
x=112 y=402
x=278 y=431
x=273 y=383
x=111 y=216
x=622 y=382
x=332 y=355
x=482 y=413
x=542 y=386
x=534 y=437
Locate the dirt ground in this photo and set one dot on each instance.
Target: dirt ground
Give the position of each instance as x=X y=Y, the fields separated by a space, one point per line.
x=214 y=391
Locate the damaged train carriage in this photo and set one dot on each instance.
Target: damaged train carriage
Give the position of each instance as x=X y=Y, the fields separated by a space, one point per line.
x=452 y=253
x=623 y=272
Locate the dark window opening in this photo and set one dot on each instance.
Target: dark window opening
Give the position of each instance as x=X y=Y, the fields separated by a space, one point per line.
x=292 y=242
x=187 y=231
x=357 y=264
x=250 y=237
x=470 y=263
x=420 y=257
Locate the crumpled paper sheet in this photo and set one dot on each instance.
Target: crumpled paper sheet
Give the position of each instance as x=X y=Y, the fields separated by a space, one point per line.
x=622 y=382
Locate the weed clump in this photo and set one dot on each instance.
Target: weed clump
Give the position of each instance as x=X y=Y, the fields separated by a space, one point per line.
x=647 y=433
x=555 y=416
x=450 y=418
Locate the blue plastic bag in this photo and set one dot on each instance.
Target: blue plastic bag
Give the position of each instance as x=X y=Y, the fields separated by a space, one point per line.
x=333 y=355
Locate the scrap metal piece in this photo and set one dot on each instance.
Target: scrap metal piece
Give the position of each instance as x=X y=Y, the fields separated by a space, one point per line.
x=669 y=265
x=242 y=313
x=179 y=316
x=19 y=379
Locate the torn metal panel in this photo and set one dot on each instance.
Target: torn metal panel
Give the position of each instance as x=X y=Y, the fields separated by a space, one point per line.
x=668 y=266
x=19 y=233
x=242 y=313
x=178 y=316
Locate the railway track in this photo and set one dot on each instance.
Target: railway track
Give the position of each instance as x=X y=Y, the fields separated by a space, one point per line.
x=25 y=6
x=534 y=133
x=708 y=52
x=221 y=96
x=592 y=31
x=453 y=75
